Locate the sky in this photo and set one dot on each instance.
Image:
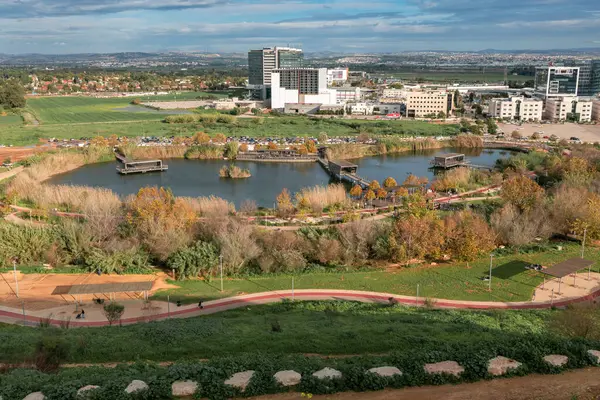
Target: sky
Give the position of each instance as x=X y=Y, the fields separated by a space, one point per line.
x=106 y=26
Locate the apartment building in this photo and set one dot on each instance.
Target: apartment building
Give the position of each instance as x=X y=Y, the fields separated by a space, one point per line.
x=300 y=86
x=428 y=102
x=596 y=110
x=347 y=94
x=568 y=108
x=337 y=76
x=517 y=108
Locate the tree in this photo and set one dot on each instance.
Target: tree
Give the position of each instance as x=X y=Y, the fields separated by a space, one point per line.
x=356 y=191
x=323 y=138
x=99 y=141
x=272 y=146
x=381 y=194
x=302 y=150
x=243 y=148
x=413 y=180
x=389 y=182
x=311 y=147
x=201 y=138
x=12 y=94
x=374 y=185
x=231 y=150
x=492 y=127
x=522 y=192
x=369 y=195
x=467 y=236
x=219 y=138
x=363 y=137
x=284 y=202
x=590 y=221
x=401 y=192
x=197 y=260
x=516 y=135
x=113 y=312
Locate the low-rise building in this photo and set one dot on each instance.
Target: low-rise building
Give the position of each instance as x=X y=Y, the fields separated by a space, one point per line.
x=337 y=76
x=517 y=108
x=596 y=110
x=361 y=108
x=568 y=108
x=428 y=102
x=347 y=94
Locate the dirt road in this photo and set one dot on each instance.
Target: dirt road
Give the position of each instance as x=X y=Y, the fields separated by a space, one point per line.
x=583 y=384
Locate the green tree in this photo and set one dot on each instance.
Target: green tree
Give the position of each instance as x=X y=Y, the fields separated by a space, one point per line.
x=12 y=94
x=492 y=128
x=113 y=312
x=197 y=260
x=231 y=150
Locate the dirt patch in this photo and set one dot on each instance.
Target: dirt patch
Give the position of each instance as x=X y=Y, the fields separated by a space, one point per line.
x=19 y=153
x=581 y=385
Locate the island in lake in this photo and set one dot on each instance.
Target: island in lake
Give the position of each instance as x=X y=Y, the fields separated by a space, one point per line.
x=234 y=172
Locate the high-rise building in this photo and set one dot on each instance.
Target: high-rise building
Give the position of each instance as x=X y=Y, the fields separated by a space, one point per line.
x=589 y=78
x=301 y=86
x=556 y=81
x=262 y=62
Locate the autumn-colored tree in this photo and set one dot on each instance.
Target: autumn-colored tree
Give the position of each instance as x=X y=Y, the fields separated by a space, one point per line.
x=401 y=192
x=113 y=140
x=411 y=180
x=590 y=222
x=284 y=203
x=356 y=191
x=243 y=148
x=272 y=146
x=201 y=138
x=381 y=194
x=179 y=140
x=467 y=236
x=416 y=205
x=99 y=141
x=374 y=185
x=389 y=182
x=302 y=150
x=577 y=172
x=416 y=238
x=369 y=195
x=522 y=192
x=516 y=135
x=422 y=181
x=311 y=146
x=323 y=138
x=219 y=138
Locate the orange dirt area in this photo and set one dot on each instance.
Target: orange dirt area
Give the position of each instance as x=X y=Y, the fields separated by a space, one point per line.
x=35 y=290
x=583 y=384
x=20 y=153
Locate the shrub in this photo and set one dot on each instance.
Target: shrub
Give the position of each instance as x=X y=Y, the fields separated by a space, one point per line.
x=50 y=351
x=197 y=260
x=113 y=312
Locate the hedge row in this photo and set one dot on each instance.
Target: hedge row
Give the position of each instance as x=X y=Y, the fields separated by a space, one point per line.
x=211 y=375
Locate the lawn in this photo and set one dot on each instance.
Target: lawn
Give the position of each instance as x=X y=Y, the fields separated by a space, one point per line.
x=510 y=280
x=273 y=126
x=283 y=328
x=10 y=120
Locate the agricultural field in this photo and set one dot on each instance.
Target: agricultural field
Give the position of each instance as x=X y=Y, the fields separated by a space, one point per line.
x=458 y=281
x=10 y=120
x=455 y=77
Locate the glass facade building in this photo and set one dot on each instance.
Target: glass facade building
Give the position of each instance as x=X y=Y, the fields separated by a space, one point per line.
x=261 y=63
x=557 y=81
x=589 y=78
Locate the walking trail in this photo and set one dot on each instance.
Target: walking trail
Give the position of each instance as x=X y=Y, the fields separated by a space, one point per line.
x=139 y=311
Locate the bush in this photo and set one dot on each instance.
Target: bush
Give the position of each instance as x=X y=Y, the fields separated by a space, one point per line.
x=113 y=312
x=50 y=352
x=197 y=260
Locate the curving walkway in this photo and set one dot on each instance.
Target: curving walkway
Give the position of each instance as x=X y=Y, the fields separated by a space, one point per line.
x=164 y=310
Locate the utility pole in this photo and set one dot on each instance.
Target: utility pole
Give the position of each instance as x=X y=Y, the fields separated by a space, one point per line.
x=221 y=263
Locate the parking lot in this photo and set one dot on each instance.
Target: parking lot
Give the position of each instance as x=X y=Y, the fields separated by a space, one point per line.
x=587 y=133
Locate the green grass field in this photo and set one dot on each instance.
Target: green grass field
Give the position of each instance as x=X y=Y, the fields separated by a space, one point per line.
x=305 y=327
x=10 y=120
x=510 y=280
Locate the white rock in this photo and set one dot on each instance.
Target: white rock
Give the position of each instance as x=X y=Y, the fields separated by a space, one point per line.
x=327 y=373
x=84 y=389
x=184 y=388
x=385 y=371
x=136 y=386
x=556 y=360
x=35 y=396
x=444 y=367
x=595 y=355
x=288 y=378
x=240 y=380
x=501 y=365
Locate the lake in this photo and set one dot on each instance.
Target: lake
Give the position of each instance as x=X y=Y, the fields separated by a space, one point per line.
x=201 y=177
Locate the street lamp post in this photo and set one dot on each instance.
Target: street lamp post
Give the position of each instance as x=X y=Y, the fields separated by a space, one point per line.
x=221 y=267
x=490 y=280
x=15 y=274
x=583 y=242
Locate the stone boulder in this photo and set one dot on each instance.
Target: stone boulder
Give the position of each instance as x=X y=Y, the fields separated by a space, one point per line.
x=501 y=365
x=82 y=391
x=556 y=360
x=385 y=371
x=35 y=396
x=288 y=378
x=184 y=388
x=327 y=373
x=136 y=386
x=444 y=367
x=240 y=380
x=595 y=354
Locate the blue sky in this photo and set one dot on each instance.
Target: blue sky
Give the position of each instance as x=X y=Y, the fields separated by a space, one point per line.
x=76 y=26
